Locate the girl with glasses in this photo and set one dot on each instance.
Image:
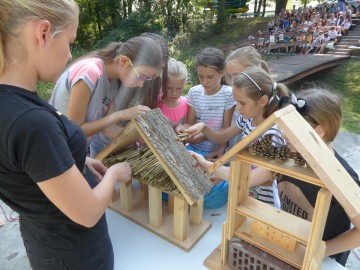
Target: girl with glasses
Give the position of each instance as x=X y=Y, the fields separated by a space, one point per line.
x=89 y=86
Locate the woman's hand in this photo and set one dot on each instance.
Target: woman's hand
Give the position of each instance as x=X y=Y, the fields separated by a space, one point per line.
x=96 y=167
x=128 y=114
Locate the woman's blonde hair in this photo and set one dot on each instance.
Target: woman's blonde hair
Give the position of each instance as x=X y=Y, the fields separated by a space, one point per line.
x=247 y=56
x=256 y=82
x=323 y=108
x=15 y=13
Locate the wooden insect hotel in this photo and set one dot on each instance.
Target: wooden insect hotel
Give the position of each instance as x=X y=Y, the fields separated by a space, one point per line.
x=259 y=236
x=166 y=167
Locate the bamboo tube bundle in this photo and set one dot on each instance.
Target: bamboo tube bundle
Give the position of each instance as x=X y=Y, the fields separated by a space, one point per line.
x=146 y=168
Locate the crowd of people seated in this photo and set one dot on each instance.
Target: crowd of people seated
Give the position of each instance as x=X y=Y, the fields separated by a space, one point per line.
x=305 y=30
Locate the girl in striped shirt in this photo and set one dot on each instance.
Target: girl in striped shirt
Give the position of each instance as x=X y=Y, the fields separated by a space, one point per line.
x=257 y=97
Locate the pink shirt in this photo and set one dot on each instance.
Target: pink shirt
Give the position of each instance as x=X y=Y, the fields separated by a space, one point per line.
x=176 y=115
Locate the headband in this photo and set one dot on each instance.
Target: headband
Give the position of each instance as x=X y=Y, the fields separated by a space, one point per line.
x=247 y=76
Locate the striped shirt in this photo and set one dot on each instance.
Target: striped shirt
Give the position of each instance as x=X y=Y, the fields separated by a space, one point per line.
x=210 y=109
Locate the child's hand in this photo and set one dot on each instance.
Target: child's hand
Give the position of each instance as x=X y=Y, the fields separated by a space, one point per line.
x=195 y=129
x=204 y=164
x=214 y=155
x=179 y=129
x=198 y=138
x=129 y=113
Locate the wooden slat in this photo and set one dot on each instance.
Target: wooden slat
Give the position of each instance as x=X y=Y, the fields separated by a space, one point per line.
x=296 y=227
x=319 y=157
x=289 y=168
x=273 y=235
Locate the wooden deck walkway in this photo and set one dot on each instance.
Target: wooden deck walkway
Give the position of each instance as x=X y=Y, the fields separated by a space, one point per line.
x=293 y=68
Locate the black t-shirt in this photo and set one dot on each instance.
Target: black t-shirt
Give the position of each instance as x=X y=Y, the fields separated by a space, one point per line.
x=38 y=143
x=299 y=198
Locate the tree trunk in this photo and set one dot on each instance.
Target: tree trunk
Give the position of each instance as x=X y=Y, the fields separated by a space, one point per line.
x=257 y=13
x=163 y=8
x=264 y=8
x=279 y=5
x=130 y=4
x=221 y=12
x=125 y=8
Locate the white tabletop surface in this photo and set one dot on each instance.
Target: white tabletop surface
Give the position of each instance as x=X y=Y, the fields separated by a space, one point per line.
x=136 y=248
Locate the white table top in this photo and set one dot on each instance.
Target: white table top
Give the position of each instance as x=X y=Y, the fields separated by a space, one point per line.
x=136 y=248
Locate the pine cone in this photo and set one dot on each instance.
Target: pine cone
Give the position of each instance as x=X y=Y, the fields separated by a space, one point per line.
x=298 y=159
x=282 y=154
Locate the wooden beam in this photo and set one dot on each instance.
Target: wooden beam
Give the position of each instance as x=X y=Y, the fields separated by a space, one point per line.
x=155 y=207
x=180 y=218
x=196 y=212
x=126 y=196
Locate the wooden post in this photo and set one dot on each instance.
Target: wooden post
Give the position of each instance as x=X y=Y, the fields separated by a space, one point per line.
x=144 y=191
x=315 y=249
x=155 y=207
x=170 y=203
x=196 y=212
x=238 y=191
x=180 y=218
x=126 y=196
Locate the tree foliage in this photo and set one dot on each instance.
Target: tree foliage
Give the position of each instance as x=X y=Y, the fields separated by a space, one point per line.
x=105 y=20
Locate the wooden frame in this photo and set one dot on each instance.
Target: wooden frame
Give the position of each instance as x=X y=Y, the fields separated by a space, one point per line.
x=291 y=239
x=143 y=203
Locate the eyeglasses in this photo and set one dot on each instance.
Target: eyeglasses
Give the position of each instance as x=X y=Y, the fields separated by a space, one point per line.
x=140 y=77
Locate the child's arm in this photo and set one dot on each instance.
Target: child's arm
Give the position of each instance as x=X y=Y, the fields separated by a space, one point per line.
x=343 y=242
x=217 y=153
x=115 y=129
x=78 y=106
x=258 y=176
x=191 y=120
x=217 y=137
